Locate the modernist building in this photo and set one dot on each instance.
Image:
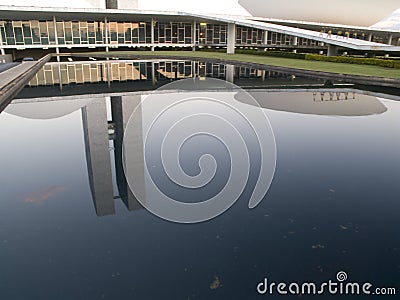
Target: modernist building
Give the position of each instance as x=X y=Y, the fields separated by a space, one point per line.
x=29 y=31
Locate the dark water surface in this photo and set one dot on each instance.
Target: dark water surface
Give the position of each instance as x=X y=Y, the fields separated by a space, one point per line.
x=70 y=228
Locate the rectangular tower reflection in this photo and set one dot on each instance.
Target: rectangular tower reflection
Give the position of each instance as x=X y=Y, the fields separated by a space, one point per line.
x=96 y=137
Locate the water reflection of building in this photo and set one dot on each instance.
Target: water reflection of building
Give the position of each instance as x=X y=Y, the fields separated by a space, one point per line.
x=123 y=71
x=104 y=149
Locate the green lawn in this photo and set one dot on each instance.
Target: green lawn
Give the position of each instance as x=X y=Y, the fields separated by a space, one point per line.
x=342 y=68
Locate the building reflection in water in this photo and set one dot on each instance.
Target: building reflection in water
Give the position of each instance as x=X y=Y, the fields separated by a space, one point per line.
x=97 y=135
x=65 y=73
x=104 y=123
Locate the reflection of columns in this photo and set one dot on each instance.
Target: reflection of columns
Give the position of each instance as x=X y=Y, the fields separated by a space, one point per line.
x=122 y=109
x=57 y=52
x=193 y=68
x=153 y=73
x=230 y=73
x=332 y=50
x=106 y=33
x=94 y=117
x=231 y=38
x=56 y=37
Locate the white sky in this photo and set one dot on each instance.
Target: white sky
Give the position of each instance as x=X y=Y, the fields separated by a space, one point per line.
x=229 y=7
x=195 y=6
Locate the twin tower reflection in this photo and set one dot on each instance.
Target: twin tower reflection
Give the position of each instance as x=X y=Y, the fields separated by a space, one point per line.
x=101 y=133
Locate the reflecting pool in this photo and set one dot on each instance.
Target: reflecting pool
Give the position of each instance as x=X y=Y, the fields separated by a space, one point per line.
x=72 y=228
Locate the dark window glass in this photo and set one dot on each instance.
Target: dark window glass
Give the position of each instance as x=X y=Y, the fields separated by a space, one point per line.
x=75 y=29
x=3 y=34
x=27 y=30
x=18 y=35
x=142 y=34
x=128 y=35
x=9 y=30
x=181 y=34
x=168 y=34
x=10 y=41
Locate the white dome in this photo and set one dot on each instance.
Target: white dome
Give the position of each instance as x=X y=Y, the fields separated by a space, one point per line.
x=46 y=109
x=354 y=12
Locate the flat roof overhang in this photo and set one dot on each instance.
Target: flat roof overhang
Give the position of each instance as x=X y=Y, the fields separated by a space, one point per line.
x=94 y=14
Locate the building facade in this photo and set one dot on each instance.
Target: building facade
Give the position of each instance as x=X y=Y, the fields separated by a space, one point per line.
x=60 y=30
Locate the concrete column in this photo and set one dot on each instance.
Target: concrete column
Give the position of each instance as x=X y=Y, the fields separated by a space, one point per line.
x=230 y=73
x=194 y=35
x=2 y=52
x=265 y=39
x=152 y=35
x=295 y=43
x=390 y=39
x=231 y=39
x=332 y=50
x=370 y=37
x=95 y=127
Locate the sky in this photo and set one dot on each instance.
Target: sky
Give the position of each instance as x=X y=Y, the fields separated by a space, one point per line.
x=195 y=6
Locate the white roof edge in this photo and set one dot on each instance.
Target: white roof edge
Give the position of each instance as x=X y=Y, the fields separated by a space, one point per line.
x=319 y=24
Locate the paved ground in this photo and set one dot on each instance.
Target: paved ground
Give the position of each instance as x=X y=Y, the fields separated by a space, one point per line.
x=6 y=66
